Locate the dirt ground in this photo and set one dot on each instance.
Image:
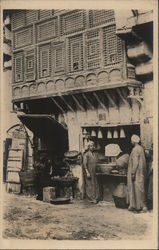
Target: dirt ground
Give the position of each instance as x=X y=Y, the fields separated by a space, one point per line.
x=27 y=218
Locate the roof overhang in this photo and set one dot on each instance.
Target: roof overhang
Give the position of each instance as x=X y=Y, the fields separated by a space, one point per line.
x=43 y=124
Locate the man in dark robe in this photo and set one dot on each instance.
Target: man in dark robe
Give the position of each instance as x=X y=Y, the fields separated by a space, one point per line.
x=90 y=159
x=137 y=177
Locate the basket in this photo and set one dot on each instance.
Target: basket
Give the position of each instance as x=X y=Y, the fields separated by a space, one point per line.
x=71 y=154
x=60 y=201
x=120 y=202
x=105 y=168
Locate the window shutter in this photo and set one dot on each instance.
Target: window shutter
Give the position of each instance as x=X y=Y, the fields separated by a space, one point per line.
x=45 y=61
x=18 y=19
x=76 y=53
x=72 y=21
x=30 y=64
x=44 y=14
x=47 y=30
x=23 y=38
x=31 y=16
x=58 y=57
x=112 y=46
x=93 y=53
x=18 y=67
x=97 y=17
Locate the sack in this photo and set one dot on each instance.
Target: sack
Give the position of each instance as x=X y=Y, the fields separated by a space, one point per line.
x=120 y=191
x=123 y=161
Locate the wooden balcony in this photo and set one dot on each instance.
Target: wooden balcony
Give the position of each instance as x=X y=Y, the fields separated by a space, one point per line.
x=110 y=78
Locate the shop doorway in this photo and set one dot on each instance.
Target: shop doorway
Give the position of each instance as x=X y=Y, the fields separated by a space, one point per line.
x=50 y=136
x=103 y=136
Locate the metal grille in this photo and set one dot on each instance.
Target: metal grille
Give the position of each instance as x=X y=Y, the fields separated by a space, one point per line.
x=112 y=46
x=23 y=38
x=93 y=53
x=97 y=17
x=76 y=53
x=45 y=60
x=45 y=14
x=58 y=55
x=72 y=22
x=18 y=19
x=30 y=58
x=31 y=16
x=47 y=30
x=18 y=67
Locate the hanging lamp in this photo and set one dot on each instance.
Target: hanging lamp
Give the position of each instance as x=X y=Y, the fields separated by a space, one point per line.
x=100 y=135
x=115 y=135
x=109 y=134
x=84 y=131
x=122 y=133
x=93 y=133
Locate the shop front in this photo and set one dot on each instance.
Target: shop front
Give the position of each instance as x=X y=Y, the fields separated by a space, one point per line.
x=109 y=117
x=110 y=174
x=106 y=116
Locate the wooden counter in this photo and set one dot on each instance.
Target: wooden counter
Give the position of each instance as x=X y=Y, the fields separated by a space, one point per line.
x=108 y=183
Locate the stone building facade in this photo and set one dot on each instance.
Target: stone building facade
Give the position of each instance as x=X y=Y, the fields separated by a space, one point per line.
x=78 y=74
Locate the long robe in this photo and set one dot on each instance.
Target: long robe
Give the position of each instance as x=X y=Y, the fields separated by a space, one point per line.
x=136 y=188
x=90 y=160
x=150 y=187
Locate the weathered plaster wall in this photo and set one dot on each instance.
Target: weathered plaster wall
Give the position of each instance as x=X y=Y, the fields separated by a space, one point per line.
x=124 y=114
x=147 y=126
x=8 y=118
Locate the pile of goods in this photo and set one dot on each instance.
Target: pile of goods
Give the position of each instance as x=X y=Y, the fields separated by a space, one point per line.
x=122 y=164
x=72 y=156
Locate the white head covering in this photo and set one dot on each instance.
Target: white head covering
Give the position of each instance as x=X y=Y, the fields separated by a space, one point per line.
x=135 y=138
x=90 y=143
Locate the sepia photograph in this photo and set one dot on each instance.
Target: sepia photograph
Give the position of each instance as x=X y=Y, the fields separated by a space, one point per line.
x=77 y=131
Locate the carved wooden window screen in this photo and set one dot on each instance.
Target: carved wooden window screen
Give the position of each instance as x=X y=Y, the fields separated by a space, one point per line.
x=72 y=22
x=30 y=64
x=18 y=67
x=31 y=16
x=23 y=38
x=76 y=53
x=18 y=19
x=47 y=30
x=45 y=14
x=58 y=57
x=56 y=11
x=112 y=46
x=93 y=52
x=45 y=61
x=97 y=17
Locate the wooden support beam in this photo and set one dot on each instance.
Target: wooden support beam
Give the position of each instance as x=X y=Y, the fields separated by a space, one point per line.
x=121 y=96
x=58 y=105
x=103 y=100
x=77 y=102
x=99 y=101
x=88 y=102
x=68 y=105
x=110 y=98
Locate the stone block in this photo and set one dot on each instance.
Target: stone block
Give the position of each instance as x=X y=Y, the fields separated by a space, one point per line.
x=48 y=194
